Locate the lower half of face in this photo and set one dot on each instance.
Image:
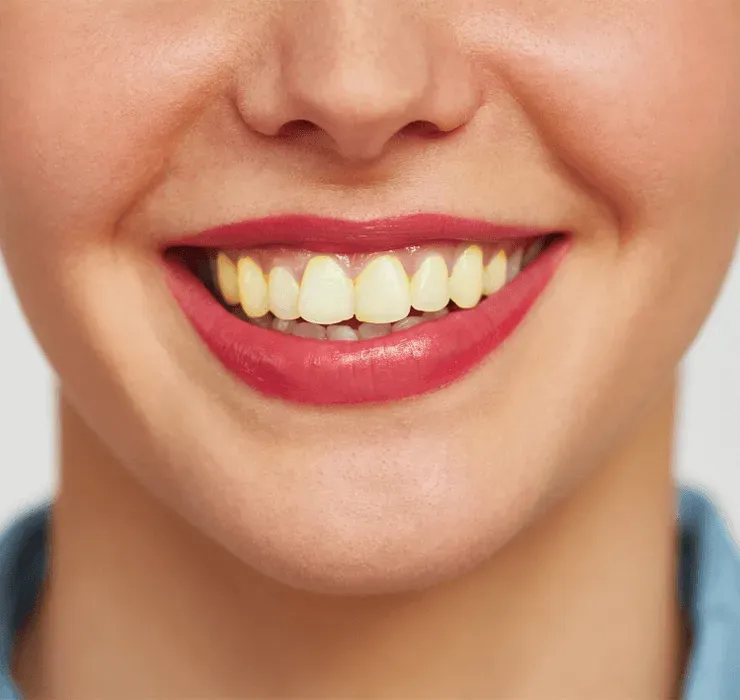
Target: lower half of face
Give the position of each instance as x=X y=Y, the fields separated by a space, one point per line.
x=358 y=319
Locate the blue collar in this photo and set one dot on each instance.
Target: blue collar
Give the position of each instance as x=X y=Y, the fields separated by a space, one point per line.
x=708 y=581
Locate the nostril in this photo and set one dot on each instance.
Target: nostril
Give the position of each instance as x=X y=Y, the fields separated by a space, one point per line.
x=296 y=128
x=422 y=128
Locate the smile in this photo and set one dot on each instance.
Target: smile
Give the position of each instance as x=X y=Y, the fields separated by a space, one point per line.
x=325 y=311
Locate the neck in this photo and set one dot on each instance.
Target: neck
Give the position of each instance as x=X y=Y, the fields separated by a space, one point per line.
x=139 y=604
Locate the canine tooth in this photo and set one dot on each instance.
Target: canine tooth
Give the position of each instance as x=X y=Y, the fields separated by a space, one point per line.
x=341 y=332
x=533 y=251
x=227 y=279
x=466 y=280
x=432 y=315
x=382 y=291
x=252 y=288
x=408 y=322
x=515 y=264
x=373 y=330
x=283 y=325
x=326 y=294
x=494 y=275
x=309 y=330
x=430 y=286
x=283 y=290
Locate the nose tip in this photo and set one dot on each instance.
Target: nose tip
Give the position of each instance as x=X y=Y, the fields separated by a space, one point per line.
x=359 y=82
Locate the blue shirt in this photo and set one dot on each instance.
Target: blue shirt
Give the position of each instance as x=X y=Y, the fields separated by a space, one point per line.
x=708 y=583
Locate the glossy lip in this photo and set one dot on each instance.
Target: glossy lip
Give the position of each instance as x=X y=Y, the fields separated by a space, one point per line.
x=320 y=234
x=423 y=358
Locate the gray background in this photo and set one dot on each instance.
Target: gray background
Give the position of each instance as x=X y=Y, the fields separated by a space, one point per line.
x=707 y=441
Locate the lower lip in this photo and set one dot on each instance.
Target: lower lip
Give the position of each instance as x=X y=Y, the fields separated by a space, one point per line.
x=426 y=357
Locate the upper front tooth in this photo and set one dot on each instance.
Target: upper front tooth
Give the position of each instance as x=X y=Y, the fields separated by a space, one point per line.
x=429 y=285
x=326 y=295
x=252 y=288
x=466 y=280
x=494 y=276
x=515 y=264
x=283 y=292
x=227 y=279
x=382 y=291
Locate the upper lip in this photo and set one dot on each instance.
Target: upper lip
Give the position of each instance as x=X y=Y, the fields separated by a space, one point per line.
x=349 y=236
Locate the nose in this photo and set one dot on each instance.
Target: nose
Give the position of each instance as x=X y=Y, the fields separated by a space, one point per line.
x=355 y=74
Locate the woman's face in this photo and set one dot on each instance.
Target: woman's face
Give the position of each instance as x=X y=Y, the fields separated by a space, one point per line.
x=128 y=125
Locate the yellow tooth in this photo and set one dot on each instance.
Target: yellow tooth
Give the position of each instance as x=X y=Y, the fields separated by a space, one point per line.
x=252 y=288
x=227 y=279
x=282 y=290
x=326 y=294
x=429 y=285
x=382 y=291
x=494 y=276
x=466 y=280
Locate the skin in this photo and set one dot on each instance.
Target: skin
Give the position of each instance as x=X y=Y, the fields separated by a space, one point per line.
x=515 y=530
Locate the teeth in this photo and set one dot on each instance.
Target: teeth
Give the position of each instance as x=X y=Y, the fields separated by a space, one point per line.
x=382 y=291
x=252 y=288
x=341 y=333
x=373 y=330
x=283 y=326
x=429 y=285
x=515 y=265
x=430 y=316
x=494 y=276
x=282 y=290
x=381 y=295
x=309 y=330
x=227 y=279
x=326 y=294
x=466 y=280
x=408 y=322
x=533 y=251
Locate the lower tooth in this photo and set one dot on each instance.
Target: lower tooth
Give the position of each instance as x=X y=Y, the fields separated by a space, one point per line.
x=341 y=333
x=262 y=321
x=309 y=330
x=373 y=330
x=405 y=323
x=431 y=315
x=279 y=324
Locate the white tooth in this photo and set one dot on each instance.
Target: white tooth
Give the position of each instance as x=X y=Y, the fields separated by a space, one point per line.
x=326 y=295
x=533 y=251
x=283 y=289
x=373 y=330
x=431 y=315
x=408 y=322
x=494 y=276
x=309 y=330
x=282 y=325
x=227 y=279
x=382 y=291
x=430 y=286
x=515 y=264
x=466 y=280
x=341 y=333
x=252 y=288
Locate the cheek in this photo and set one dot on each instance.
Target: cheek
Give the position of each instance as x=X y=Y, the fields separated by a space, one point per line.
x=89 y=115
x=639 y=101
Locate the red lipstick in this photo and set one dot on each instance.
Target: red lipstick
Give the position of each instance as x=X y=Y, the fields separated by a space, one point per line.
x=423 y=358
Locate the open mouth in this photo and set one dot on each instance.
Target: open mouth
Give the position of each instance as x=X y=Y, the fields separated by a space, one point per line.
x=327 y=312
